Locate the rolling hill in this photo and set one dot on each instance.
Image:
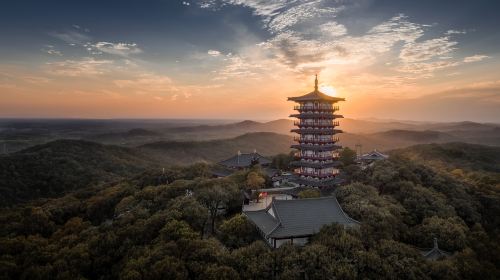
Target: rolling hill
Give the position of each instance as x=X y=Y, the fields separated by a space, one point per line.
x=176 y=152
x=455 y=155
x=57 y=167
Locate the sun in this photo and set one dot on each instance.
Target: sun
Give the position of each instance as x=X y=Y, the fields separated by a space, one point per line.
x=328 y=90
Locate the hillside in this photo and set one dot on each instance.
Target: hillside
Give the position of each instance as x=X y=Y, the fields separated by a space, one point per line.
x=64 y=165
x=176 y=152
x=455 y=155
x=143 y=228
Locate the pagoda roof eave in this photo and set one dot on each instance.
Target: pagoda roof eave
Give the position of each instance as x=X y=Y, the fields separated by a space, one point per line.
x=316 y=96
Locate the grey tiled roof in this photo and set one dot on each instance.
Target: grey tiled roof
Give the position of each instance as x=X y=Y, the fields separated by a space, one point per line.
x=315 y=96
x=374 y=155
x=222 y=172
x=301 y=217
x=244 y=160
x=435 y=253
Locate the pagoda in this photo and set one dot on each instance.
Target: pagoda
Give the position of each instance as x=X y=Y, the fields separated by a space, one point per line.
x=317 y=157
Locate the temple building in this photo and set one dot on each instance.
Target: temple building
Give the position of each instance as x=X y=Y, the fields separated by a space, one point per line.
x=317 y=156
x=295 y=221
x=242 y=161
x=370 y=158
x=435 y=253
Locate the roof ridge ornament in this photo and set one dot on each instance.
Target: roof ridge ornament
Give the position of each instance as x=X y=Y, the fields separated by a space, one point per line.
x=316 y=83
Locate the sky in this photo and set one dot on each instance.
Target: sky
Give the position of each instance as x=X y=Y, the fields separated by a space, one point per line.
x=240 y=59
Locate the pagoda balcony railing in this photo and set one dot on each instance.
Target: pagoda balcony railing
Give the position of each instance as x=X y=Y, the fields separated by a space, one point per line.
x=316 y=174
x=317 y=157
x=316 y=108
x=305 y=124
x=316 y=141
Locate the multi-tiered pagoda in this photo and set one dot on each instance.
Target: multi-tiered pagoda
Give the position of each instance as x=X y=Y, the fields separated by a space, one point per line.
x=317 y=156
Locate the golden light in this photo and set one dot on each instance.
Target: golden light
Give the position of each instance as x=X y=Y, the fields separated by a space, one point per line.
x=328 y=90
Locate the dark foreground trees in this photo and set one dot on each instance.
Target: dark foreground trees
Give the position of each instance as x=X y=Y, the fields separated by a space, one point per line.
x=191 y=228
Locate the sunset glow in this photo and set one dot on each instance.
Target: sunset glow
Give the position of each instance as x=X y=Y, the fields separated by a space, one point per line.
x=328 y=90
x=242 y=59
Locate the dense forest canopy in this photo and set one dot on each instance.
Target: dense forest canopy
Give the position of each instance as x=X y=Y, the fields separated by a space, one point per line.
x=167 y=225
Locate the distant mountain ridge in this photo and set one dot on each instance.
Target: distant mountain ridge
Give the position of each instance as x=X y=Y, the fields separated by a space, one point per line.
x=186 y=152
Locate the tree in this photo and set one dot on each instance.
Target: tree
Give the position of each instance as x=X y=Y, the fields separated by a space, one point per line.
x=218 y=272
x=450 y=232
x=238 y=231
x=175 y=230
x=215 y=194
x=191 y=211
x=347 y=156
x=309 y=193
x=282 y=161
x=255 y=181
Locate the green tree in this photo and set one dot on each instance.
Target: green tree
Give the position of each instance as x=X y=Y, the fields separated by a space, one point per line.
x=215 y=194
x=309 y=193
x=255 y=181
x=347 y=156
x=238 y=231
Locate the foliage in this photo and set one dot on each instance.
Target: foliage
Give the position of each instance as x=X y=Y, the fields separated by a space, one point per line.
x=190 y=227
x=309 y=193
x=282 y=161
x=347 y=156
x=61 y=166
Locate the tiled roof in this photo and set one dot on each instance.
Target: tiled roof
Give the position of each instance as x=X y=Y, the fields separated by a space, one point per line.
x=244 y=160
x=301 y=217
x=435 y=253
x=315 y=96
x=374 y=155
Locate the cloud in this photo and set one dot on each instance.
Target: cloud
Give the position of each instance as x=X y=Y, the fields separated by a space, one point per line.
x=300 y=13
x=120 y=49
x=71 y=37
x=426 y=68
x=51 y=50
x=450 y=32
x=87 y=66
x=475 y=58
x=147 y=83
x=307 y=37
x=425 y=50
x=265 y=8
x=333 y=29
x=213 y=52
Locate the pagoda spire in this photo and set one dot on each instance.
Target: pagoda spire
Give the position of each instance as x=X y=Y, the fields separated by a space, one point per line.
x=316 y=83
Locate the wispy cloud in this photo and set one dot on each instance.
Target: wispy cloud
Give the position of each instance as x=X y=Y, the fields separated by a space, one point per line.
x=475 y=58
x=213 y=52
x=428 y=49
x=120 y=49
x=87 y=66
x=49 y=49
x=71 y=37
x=307 y=37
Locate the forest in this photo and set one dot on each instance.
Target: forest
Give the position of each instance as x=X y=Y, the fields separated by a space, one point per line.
x=167 y=225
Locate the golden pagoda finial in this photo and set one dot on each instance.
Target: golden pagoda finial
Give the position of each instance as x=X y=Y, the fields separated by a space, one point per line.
x=316 y=83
